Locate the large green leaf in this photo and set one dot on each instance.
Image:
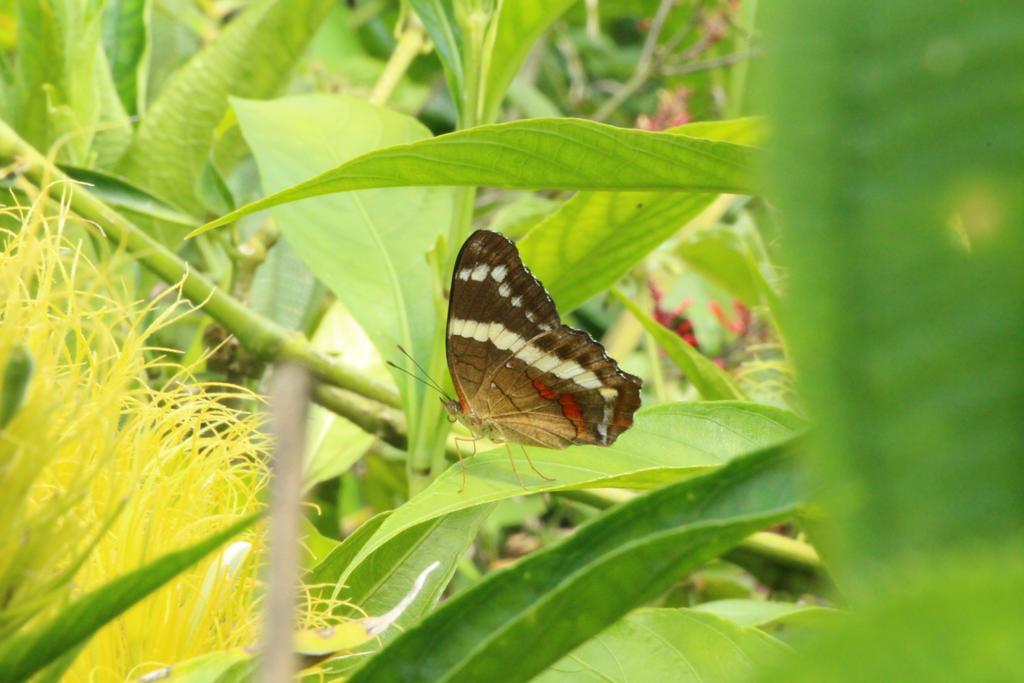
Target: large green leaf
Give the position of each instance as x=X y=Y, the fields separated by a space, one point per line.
x=665 y=443
x=712 y=382
x=597 y=237
x=668 y=645
x=904 y=226
x=907 y=343
x=535 y=154
x=252 y=57
x=32 y=650
x=540 y=609
x=368 y=247
x=516 y=27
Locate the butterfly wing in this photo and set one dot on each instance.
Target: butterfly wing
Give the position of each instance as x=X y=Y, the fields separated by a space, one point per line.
x=517 y=367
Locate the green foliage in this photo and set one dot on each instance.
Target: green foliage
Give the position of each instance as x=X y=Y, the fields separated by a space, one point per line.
x=884 y=255
x=618 y=562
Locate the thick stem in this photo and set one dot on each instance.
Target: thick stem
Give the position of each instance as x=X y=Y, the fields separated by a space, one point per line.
x=260 y=336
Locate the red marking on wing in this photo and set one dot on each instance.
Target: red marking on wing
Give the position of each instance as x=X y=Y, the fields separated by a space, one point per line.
x=572 y=411
x=570 y=408
x=544 y=390
x=462 y=401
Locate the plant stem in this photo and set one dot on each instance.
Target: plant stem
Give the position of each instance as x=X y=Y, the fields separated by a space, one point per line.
x=410 y=44
x=261 y=336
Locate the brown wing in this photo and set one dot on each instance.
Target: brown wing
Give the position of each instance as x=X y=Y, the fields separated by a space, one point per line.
x=490 y=284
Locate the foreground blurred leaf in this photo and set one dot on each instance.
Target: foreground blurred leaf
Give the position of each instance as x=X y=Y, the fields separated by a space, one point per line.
x=540 y=609
x=668 y=645
x=595 y=238
x=666 y=443
x=368 y=247
x=535 y=154
x=30 y=651
x=252 y=57
x=907 y=344
x=712 y=382
x=904 y=244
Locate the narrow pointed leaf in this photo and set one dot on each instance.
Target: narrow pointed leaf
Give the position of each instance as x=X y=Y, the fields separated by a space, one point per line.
x=535 y=154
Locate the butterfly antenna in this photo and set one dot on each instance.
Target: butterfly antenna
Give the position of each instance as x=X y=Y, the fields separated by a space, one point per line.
x=429 y=381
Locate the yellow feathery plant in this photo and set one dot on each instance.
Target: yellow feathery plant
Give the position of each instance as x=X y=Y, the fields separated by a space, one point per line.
x=101 y=472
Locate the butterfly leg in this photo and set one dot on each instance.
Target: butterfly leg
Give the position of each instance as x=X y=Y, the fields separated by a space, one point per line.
x=462 y=463
x=512 y=460
x=534 y=467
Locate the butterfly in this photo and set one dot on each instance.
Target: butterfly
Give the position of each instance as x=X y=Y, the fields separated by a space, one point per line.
x=521 y=376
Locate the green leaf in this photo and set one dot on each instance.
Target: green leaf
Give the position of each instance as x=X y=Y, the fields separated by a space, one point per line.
x=334 y=444
x=597 y=237
x=537 y=611
x=32 y=650
x=126 y=42
x=761 y=613
x=721 y=257
x=516 y=28
x=123 y=195
x=907 y=341
x=438 y=18
x=368 y=247
x=712 y=382
x=378 y=581
x=665 y=443
x=252 y=57
x=17 y=375
x=535 y=154
x=668 y=645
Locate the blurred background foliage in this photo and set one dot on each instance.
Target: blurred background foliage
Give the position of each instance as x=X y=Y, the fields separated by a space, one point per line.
x=881 y=262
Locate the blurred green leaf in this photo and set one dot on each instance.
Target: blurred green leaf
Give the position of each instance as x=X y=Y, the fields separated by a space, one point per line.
x=907 y=344
x=712 y=382
x=31 y=650
x=126 y=42
x=903 y=231
x=720 y=256
x=665 y=443
x=539 y=610
x=516 y=27
x=596 y=237
x=17 y=376
x=668 y=645
x=368 y=247
x=252 y=57
x=534 y=154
